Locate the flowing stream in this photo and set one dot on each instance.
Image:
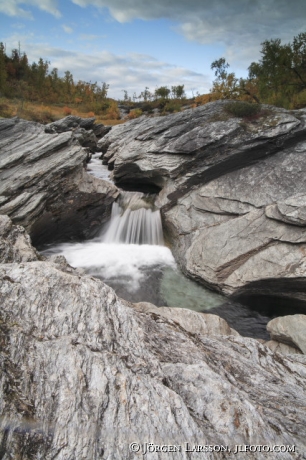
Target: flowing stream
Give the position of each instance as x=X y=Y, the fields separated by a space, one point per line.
x=129 y=255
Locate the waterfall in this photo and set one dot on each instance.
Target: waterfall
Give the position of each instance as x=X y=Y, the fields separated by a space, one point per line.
x=134 y=220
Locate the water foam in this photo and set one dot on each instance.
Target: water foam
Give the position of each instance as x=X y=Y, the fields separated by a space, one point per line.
x=115 y=261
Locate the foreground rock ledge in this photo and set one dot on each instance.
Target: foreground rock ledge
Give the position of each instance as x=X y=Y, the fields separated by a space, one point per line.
x=84 y=374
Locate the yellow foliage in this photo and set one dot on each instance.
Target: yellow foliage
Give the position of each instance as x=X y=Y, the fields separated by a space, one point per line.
x=203 y=99
x=135 y=113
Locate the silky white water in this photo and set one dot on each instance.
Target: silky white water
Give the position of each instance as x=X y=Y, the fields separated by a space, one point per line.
x=128 y=249
x=134 y=221
x=130 y=256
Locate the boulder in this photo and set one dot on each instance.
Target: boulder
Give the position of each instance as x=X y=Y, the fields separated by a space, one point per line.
x=44 y=186
x=100 y=130
x=232 y=193
x=190 y=320
x=15 y=243
x=194 y=146
x=70 y=123
x=282 y=348
x=84 y=374
x=290 y=330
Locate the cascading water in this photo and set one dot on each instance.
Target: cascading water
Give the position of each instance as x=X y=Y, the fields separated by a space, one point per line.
x=134 y=220
x=130 y=256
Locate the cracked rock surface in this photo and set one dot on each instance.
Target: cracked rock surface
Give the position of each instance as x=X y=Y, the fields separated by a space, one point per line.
x=232 y=193
x=44 y=186
x=84 y=374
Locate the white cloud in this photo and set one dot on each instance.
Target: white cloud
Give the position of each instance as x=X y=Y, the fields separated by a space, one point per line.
x=131 y=72
x=12 y=8
x=238 y=25
x=67 y=29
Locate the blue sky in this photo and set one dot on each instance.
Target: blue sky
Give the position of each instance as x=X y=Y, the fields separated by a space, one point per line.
x=131 y=44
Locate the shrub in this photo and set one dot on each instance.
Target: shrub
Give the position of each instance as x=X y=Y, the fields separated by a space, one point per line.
x=146 y=107
x=134 y=114
x=112 y=112
x=46 y=117
x=5 y=111
x=242 y=109
x=67 y=111
x=172 y=106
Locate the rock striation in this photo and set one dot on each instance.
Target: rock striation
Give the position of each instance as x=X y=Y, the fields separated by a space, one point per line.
x=232 y=194
x=84 y=374
x=44 y=186
x=83 y=129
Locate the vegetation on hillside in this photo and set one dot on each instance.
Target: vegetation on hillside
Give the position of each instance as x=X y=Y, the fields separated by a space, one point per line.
x=278 y=78
x=37 y=88
x=36 y=92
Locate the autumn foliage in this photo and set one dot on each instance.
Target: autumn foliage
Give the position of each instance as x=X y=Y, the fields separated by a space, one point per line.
x=37 y=84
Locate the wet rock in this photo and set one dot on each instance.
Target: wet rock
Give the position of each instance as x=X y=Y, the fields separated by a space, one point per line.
x=84 y=374
x=43 y=184
x=290 y=330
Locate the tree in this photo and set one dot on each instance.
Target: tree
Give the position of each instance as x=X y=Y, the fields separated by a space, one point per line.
x=3 y=72
x=178 y=91
x=126 y=97
x=228 y=86
x=225 y=86
x=162 y=92
x=281 y=71
x=146 y=95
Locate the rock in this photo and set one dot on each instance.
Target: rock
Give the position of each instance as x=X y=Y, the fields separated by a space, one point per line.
x=15 y=243
x=232 y=194
x=100 y=130
x=290 y=330
x=43 y=184
x=69 y=123
x=84 y=374
x=194 y=146
x=192 y=321
x=282 y=348
x=84 y=130
x=291 y=211
x=86 y=138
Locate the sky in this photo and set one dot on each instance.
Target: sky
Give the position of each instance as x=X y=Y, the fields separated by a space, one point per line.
x=133 y=44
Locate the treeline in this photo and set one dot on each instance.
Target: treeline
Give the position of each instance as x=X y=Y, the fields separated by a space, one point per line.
x=278 y=78
x=162 y=92
x=36 y=82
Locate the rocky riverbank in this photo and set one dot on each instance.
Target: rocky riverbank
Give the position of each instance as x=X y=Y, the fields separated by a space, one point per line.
x=84 y=373
x=232 y=194
x=43 y=183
